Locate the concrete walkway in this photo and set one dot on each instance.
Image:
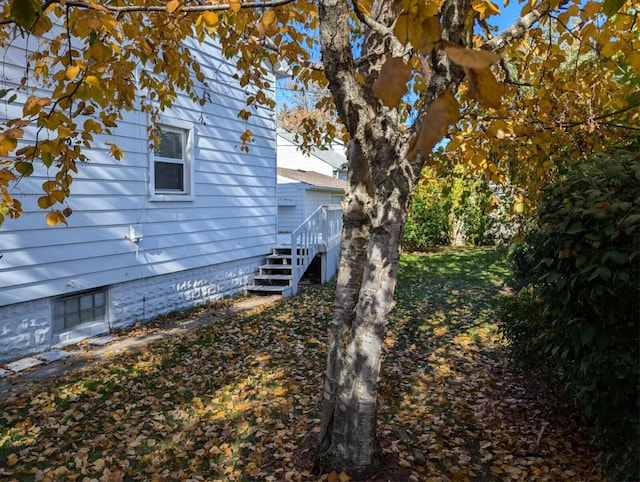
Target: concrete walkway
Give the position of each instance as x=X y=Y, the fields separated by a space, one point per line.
x=36 y=370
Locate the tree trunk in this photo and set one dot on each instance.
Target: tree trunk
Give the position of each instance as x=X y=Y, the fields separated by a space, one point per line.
x=381 y=182
x=382 y=178
x=366 y=283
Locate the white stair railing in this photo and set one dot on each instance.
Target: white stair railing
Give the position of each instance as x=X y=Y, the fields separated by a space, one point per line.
x=332 y=224
x=323 y=225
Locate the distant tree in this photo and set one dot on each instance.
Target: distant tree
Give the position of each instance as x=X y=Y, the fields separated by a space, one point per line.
x=309 y=109
x=448 y=207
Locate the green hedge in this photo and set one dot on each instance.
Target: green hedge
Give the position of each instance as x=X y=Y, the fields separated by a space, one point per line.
x=427 y=224
x=447 y=201
x=580 y=315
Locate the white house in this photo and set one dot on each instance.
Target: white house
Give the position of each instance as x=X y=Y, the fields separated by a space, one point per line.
x=301 y=192
x=307 y=180
x=160 y=230
x=310 y=191
x=309 y=232
x=329 y=160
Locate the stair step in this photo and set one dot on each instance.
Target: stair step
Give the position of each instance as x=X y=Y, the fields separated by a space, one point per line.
x=282 y=261
x=288 y=250
x=276 y=267
x=284 y=290
x=273 y=277
x=279 y=256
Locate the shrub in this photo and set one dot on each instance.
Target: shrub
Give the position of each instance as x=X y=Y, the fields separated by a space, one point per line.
x=583 y=258
x=522 y=322
x=426 y=225
x=444 y=205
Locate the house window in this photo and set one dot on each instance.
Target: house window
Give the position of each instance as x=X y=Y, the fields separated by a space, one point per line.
x=342 y=173
x=72 y=312
x=171 y=164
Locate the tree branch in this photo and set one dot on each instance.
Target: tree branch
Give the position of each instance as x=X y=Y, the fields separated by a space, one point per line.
x=569 y=124
x=184 y=9
x=519 y=29
x=381 y=29
x=620 y=126
x=158 y=8
x=602 y=116
x=507 y=74
x=370 y=22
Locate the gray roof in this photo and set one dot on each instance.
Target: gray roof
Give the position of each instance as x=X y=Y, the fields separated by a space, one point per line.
x=312 y=178
x=334 y=158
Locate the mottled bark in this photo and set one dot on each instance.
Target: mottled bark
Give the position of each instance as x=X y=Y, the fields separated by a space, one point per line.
x=366 y=283
x=355 y=235
x=381 y=183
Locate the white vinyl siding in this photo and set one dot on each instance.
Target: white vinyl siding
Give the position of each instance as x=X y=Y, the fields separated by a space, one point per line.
x=231 y=214
x=290 y=205
x=298 y=200
x=290 y=157
x=318 y=197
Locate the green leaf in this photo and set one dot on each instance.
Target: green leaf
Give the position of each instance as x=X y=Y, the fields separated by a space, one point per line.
x=45 y=202
x=618 y=257
x=611 y=7
x=24 y=12
x=631 y=220
x=47 y=159
x=586 y=334
x=603 y=272
x=24 y=168
x=575 y=228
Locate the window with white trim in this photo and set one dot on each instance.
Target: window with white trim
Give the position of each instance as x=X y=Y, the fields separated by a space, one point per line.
x=171 y=164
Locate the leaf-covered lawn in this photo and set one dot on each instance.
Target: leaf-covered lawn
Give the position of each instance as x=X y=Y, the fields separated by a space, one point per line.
x=239 y=400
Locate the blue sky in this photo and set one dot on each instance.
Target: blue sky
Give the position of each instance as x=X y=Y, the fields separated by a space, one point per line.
x=506 y=18
x=507 y=15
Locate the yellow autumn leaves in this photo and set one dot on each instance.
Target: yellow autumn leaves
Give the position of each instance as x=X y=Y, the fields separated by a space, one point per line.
x=266 y=26
x=418 y=26
x=72 y=72
x=391 y=84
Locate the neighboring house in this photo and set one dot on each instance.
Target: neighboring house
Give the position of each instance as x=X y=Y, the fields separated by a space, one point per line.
x=309 y=197
x=160 y=230
x=330 y=160
x=301 y=192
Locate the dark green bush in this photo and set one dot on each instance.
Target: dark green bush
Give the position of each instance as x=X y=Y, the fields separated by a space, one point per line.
x=522 y=322
x=522 y=258
x=583 y=258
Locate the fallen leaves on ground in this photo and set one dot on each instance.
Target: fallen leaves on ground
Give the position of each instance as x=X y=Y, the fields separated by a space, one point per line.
x=240 y=398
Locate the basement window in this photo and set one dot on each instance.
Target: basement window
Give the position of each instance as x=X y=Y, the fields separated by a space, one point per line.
x=79 y=316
